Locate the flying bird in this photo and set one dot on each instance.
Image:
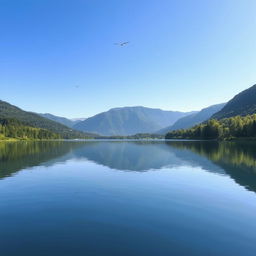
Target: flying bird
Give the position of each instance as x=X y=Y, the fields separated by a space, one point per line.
x=122 y=43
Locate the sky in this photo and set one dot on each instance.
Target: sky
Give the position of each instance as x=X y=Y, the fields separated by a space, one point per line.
x=60 y=57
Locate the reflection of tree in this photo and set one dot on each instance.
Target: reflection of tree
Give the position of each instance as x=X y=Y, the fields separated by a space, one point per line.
x=238 y=159
x=235 y=153
x=15 y=156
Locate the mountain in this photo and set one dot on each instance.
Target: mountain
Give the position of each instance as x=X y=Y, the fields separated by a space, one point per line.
x=129 y=121
x=193 y=119
x=62 y=120
x=8 y=111
x=242 y=104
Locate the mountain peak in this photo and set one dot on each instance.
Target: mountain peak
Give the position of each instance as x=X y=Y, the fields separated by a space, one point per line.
x=129 y=121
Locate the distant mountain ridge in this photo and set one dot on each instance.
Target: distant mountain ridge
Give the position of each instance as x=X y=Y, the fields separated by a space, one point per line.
x=193 y=119
x=62 y=120
x=129 y=121
x=244 y=103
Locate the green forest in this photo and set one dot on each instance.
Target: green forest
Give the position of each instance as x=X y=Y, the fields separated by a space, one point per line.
x=13 y=129
x=224 y=129
x=14 y=118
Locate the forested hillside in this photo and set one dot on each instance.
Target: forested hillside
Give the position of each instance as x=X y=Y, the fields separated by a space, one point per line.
x=8 y=111
x=13 y=129
x=227 y=128
x=242 y=104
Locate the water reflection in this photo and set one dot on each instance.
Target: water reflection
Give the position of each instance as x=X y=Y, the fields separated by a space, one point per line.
x=236 y=159
x=15 y=156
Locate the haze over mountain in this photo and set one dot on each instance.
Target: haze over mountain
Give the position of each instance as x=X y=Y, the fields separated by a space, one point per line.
x=129 y=121
x=193 y=119
x=244 y=103
x=8 y=111
x=62 y=120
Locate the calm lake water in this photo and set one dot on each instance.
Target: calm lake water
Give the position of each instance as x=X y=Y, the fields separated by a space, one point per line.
x=127 y=198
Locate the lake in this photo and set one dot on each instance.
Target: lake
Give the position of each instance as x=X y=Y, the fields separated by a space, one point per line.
x=127 y=198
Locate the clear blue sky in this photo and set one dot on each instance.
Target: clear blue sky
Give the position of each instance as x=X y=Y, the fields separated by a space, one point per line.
x=183 y=55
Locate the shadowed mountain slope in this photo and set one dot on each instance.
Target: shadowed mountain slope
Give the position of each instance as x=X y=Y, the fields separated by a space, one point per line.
x=193 y=119
x=242 y=104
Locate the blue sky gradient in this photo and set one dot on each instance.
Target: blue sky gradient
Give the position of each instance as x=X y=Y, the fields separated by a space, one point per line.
x=59 y=56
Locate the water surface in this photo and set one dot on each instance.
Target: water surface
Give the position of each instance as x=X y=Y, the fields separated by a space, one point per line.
x=127 y=198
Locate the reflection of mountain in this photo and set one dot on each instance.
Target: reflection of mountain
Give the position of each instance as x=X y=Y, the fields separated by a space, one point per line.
x=139 y=156
x=133 y=156
x=235 y=159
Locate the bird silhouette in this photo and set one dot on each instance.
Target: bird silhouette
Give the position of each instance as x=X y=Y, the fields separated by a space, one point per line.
x=122 y=43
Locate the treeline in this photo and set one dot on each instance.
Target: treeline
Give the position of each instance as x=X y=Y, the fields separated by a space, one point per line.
x=13 y=129
x=227 y=128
